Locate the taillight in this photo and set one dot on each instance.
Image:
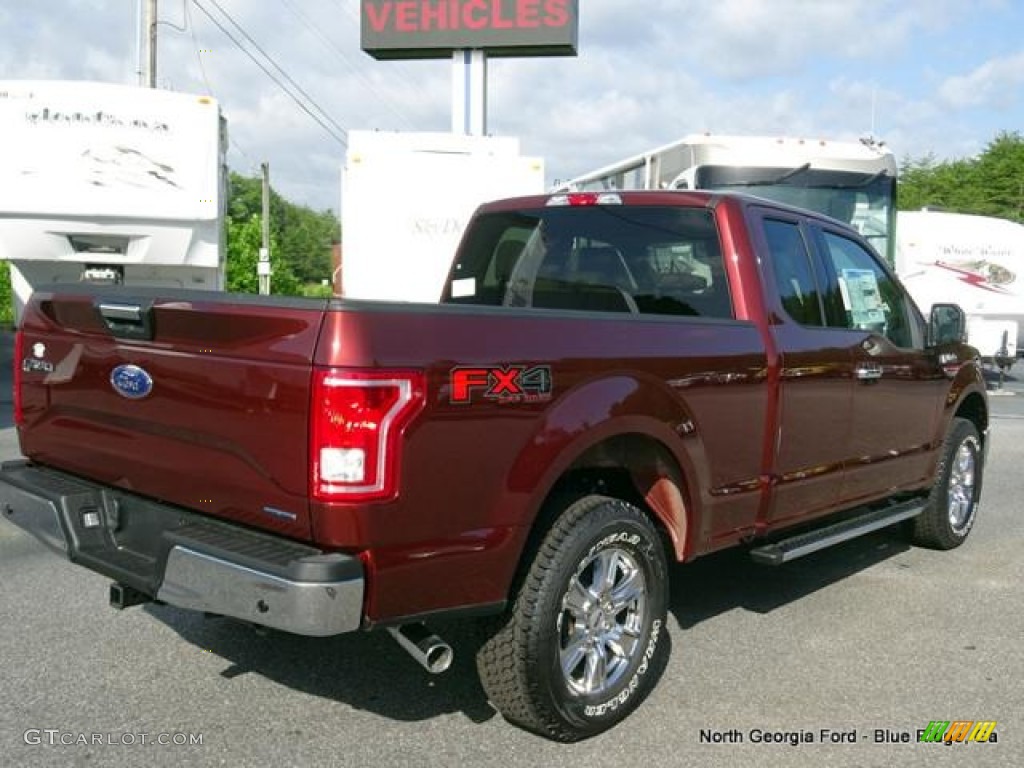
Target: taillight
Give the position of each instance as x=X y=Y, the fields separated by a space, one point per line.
x=356 y=424
x=19 y=346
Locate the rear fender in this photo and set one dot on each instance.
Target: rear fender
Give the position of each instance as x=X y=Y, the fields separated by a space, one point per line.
x=620 y=421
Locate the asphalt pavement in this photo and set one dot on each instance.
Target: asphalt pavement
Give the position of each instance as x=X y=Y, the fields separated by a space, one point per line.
x=870 y=640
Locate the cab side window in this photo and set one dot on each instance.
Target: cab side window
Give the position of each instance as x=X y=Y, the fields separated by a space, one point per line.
x=794 y=276
x=872 y=300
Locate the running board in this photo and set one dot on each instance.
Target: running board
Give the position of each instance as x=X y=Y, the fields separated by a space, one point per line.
x=783 y=551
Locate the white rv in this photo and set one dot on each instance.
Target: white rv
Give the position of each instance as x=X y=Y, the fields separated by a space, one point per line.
x=406 y=197
x=851 y=181
x=974 y=261
x=110 y=183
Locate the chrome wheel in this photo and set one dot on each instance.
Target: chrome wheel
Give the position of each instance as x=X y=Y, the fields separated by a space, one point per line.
x=584 y=643
x=960 y=495
x=952 y=506
x=601 y=621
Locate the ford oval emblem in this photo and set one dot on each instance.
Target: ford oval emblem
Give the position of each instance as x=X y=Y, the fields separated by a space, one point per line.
x=131 y=381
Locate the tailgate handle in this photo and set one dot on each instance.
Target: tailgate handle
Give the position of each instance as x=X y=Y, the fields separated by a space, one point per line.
x=127 y=321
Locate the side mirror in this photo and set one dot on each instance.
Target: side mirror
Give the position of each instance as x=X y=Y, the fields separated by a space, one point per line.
x=946 y=325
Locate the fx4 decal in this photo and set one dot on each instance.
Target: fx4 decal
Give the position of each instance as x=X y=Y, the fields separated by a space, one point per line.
x=502 y=384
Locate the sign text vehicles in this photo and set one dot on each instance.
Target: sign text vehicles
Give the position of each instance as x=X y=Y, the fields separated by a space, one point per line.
x=424 y=29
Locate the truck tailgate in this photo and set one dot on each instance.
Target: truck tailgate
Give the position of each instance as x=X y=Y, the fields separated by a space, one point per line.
x=191 y=398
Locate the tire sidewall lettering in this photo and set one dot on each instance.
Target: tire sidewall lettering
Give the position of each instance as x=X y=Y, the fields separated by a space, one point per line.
x=600 y=710
x=642 y=546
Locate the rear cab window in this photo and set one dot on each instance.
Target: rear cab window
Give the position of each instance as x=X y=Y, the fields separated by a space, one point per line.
x=652 y=260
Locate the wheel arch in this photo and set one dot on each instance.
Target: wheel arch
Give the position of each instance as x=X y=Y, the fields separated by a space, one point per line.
x=625 y=436
x=639 y=469
x=974 y=408
x=631 y=466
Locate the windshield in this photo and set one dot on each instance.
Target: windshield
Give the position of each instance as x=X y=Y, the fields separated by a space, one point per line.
x=862 y=200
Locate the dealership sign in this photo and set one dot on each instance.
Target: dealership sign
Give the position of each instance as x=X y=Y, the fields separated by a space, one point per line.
x=426 y=29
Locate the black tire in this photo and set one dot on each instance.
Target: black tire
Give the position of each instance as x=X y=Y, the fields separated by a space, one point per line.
x=562 y=616
x=953 y=503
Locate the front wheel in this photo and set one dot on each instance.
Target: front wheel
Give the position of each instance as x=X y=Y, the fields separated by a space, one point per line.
x=585 y=638
x=953 y=503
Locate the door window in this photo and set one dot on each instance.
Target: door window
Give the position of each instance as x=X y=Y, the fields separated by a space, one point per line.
x=794 y=276
x=871 y=299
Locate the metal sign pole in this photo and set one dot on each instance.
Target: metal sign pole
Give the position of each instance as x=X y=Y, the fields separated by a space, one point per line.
x=469 y=92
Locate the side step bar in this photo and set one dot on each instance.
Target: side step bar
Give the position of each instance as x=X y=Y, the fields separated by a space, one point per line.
x=783 y=551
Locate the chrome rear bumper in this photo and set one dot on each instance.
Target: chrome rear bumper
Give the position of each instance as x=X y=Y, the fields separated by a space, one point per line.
x=183 y=558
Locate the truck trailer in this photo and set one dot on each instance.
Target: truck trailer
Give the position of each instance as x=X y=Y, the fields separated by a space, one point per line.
x=109 y=183
x=975 y=261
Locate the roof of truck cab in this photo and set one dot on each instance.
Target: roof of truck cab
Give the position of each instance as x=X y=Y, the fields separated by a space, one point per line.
x=692 y=198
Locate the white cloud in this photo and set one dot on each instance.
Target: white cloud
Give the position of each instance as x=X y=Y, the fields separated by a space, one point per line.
x=648 y=73
x=995 y=84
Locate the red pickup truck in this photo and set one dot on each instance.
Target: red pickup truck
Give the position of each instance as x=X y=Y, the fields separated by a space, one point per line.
x=611 y=382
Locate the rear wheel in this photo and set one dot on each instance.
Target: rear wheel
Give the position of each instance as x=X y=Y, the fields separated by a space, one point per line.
x=585 y=638
x=953 y=504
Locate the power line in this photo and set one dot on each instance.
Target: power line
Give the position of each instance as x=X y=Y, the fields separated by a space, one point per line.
x=195 y=45
x=184 y=23
x=366 y=81
x=401 y=68
x=341 y=137
x=279 y=68
x=344 y=6
x=190 y=27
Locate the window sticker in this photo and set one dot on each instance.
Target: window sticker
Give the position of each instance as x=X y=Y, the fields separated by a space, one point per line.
x=465 y=286
x=861 y=297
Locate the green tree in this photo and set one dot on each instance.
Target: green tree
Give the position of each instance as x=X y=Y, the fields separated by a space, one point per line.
x=304 y=237
x=1001 y=167
x=991 y=184
x=6 y=296
x=244 y=239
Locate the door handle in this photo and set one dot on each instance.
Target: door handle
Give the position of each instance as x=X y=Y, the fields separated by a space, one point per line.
x=868 y=372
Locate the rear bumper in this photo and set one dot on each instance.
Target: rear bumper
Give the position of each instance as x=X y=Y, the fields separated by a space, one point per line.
x=185 y=559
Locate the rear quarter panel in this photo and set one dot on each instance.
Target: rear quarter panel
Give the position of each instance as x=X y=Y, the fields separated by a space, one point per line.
x=474 y=474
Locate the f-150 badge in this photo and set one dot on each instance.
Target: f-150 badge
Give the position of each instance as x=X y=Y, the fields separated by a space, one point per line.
x=502 y=384
x=35 y=365
x=131 y=381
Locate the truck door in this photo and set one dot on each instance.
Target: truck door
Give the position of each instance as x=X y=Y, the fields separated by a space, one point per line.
x=897 y=384
x=815 y=375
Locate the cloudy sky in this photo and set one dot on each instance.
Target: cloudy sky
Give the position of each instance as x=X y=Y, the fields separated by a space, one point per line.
x=939 y=77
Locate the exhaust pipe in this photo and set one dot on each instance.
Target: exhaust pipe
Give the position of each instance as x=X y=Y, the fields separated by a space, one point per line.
x=433 y=653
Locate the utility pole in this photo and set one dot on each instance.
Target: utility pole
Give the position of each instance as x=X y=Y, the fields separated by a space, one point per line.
x=150 y=37
x=263 y=267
